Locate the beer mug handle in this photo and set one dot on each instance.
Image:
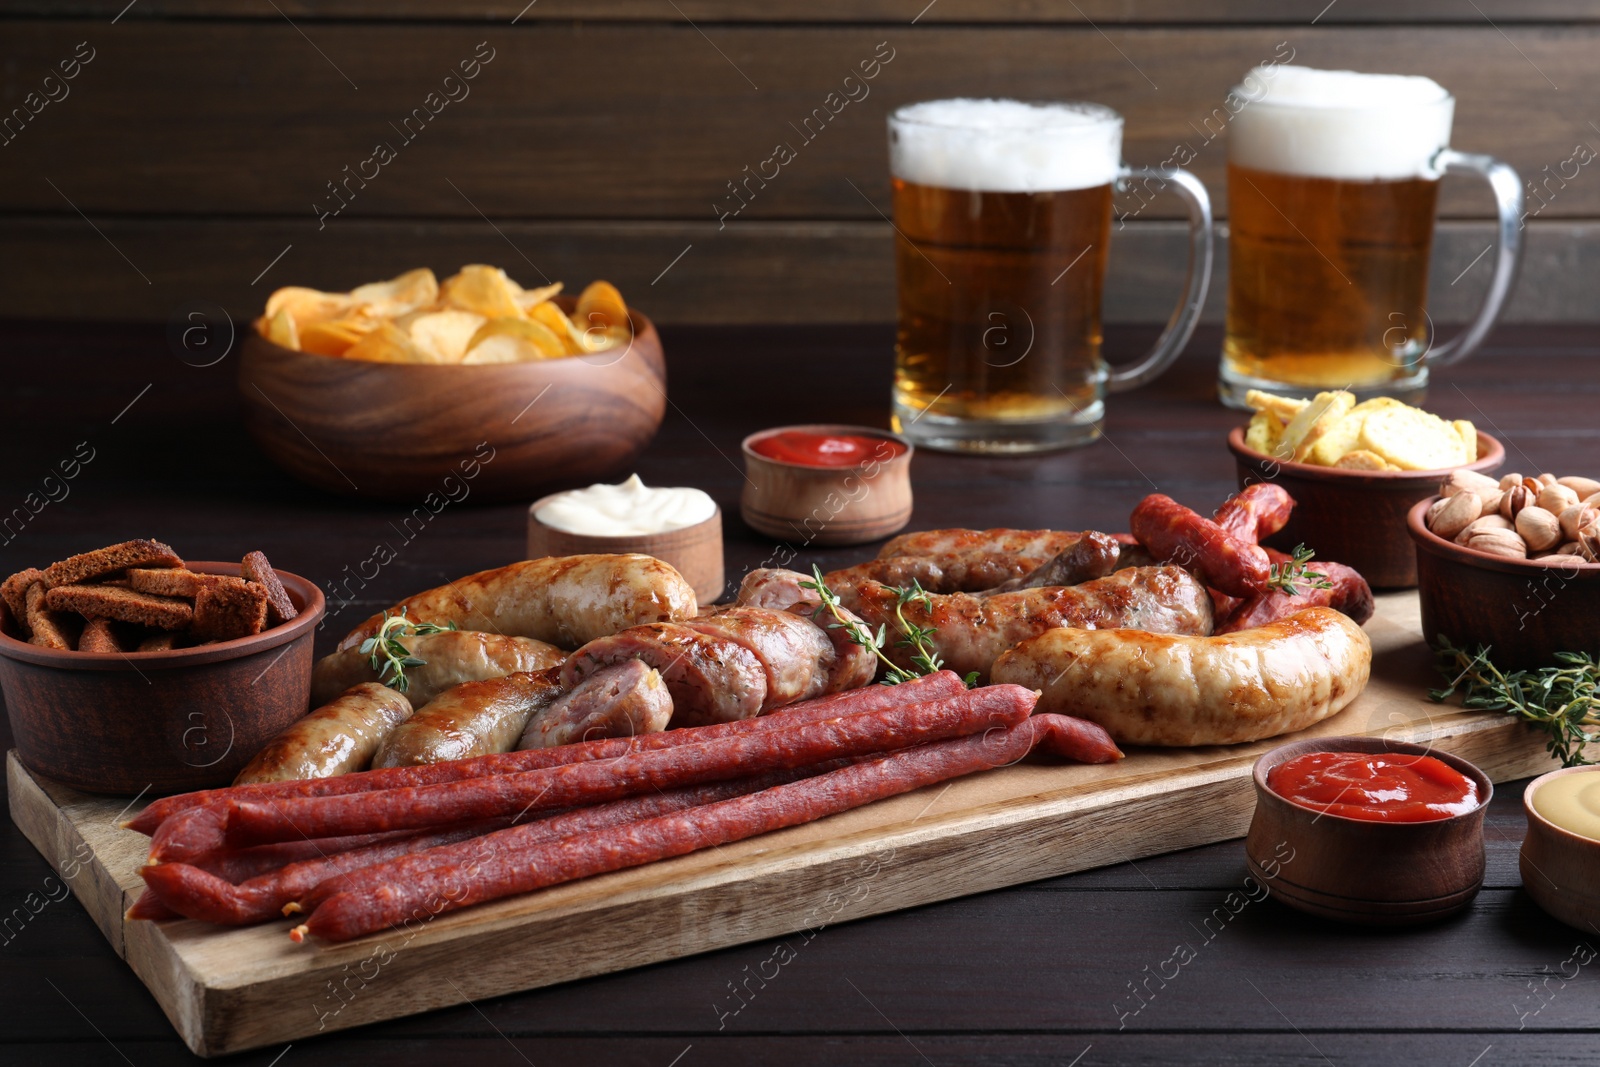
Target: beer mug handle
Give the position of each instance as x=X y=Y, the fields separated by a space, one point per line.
x=1509 y=199
x=1187 y=314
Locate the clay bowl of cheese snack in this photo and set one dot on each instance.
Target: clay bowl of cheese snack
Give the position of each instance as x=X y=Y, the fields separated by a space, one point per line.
x=1352 y=515
x=396 y=421
x=1525 y=610
x=164 y=721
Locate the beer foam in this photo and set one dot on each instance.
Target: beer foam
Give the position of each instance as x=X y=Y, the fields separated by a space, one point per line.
x=1340 y=123
x=1005 y=146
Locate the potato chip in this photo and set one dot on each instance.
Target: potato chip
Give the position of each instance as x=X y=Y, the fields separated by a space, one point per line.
x=479 y=311
x=1469 y=439
x=411 y=290
x=1362 y=460
x=387 y=344
x=1312 y=421
x=443 y=335
x=334 y=337
x=1413 y=440
x=484 y=290
x=549 y=315
x=281 y=330
x=600 y=306
x=533 y=340
x=308 y=305
x=528 y=299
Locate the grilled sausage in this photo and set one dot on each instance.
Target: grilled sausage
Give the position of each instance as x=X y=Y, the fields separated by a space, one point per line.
x=970 y=632
x=1159 y=689
x=339 y=737
x=795 y=653
x=448 y=659
x=564 y=600
x=711 y=679
x=957 y=560
x=471 y=719
x=853 y=665
x=623 y=700
x=1093 y=555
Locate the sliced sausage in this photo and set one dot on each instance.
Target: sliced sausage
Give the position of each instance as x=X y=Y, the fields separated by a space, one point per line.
x=794 y=652
x=711 y=679
x=627 y=699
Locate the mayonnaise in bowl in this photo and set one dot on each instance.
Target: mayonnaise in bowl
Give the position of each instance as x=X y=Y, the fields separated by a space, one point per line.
x=631 y=509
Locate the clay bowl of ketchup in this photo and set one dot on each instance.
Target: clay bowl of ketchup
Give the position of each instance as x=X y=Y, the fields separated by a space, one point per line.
x=1412 y=859
x=826 y=484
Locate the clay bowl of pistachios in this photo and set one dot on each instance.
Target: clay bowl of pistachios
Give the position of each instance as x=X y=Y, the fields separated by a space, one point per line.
x=1511 y=564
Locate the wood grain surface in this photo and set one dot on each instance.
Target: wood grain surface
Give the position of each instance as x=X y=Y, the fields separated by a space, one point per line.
x=205 y=140
x=1035 y=974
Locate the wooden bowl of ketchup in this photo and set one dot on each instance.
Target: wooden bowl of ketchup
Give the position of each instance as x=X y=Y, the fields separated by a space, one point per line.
x=1368 y=831
x=826 y=484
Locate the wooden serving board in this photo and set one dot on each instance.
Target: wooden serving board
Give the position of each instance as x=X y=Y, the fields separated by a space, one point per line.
x=226 y=990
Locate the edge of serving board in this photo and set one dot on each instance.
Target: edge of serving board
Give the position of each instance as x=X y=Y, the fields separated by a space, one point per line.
x=232 y=990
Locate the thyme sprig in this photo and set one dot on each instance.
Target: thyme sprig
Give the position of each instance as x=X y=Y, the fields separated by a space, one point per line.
x=924 y=657
x=389 y=657
x=1285 y=576
x=1564 y=700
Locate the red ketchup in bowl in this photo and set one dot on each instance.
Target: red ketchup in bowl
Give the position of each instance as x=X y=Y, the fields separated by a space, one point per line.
x=1375 y=786
x=826 y=449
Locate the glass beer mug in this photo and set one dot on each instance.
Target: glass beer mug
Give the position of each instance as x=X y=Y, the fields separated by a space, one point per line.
x=1002 y=216
x=1332 y=180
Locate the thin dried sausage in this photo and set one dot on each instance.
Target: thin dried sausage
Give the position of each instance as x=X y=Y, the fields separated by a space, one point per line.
x=244 y=822
x=504 y=864
x=875 y=698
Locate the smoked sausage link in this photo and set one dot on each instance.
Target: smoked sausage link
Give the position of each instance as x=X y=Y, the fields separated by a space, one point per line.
x=1175 y=534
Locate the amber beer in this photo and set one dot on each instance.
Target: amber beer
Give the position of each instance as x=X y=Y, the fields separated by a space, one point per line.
x=1002 y=213
x=1332 y=184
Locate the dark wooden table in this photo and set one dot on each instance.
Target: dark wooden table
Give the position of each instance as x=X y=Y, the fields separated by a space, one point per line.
x=1039 y=974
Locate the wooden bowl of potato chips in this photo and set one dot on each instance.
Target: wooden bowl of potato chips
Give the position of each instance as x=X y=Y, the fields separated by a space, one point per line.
x=1354 y=471
x=434 y=393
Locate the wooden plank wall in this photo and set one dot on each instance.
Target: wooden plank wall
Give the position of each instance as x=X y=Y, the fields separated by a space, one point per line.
x=193 y=155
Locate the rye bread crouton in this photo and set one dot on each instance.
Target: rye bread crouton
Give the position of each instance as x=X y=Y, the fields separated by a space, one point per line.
x=14 y=591
x=226 y=608
x=166 y=581
x=108 y=561
x=124 y=605
x=49 y=628
x=255 y=568
x=98 y=636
